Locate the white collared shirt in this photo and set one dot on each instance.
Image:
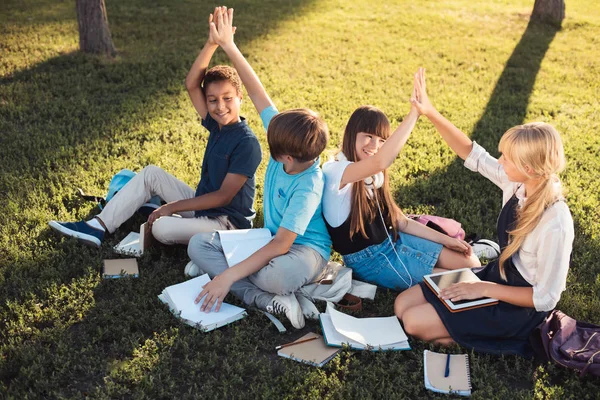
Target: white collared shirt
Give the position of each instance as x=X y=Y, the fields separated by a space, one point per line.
x=543 y=259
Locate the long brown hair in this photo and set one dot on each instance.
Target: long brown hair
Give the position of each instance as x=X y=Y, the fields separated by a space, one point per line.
x=538 y=146
x=369 y=119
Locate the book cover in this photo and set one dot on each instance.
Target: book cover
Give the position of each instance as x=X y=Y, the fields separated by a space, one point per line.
x=314 y=352
x=118 y=268
x=135 y=243
x=458 y=380
x=442 y=280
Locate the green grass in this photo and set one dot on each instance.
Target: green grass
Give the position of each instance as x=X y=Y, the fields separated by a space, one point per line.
x=68 y=121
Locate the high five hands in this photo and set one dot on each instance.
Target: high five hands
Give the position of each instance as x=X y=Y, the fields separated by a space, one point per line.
x=420 y=100
x=220 y=26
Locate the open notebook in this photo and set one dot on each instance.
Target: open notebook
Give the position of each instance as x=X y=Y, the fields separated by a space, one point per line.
x=135 y=243
x=458 y=380
x=375 y=334
x=442 y=280
x=180 y=299
x=239 y=244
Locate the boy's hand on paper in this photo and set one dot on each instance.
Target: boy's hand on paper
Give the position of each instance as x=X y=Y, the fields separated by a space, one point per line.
x=215 y=291
x=465 y=291
x=459 y=246
x=222 y=29
x=162 y=211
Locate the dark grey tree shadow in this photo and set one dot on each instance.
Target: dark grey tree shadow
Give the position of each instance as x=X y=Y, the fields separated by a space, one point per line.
x=457 y=192
x=57 y=115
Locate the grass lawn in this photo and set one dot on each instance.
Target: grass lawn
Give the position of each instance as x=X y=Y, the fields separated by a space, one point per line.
x=69 y=121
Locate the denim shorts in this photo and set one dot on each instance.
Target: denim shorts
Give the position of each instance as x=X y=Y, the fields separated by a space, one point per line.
x=413 y=258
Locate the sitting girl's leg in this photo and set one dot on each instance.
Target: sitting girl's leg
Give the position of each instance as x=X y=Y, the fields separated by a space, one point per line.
x=419 y=318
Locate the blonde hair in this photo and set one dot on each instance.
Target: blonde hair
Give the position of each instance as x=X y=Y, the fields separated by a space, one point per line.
x=536 y=145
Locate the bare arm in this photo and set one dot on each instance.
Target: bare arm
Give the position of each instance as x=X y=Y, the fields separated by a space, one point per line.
x=385 y=156
x=217 y=289
x=222 y=31
x=415 y=228
x=229 y=188
x=196 y=74
x=519 y=296
x=456 y=139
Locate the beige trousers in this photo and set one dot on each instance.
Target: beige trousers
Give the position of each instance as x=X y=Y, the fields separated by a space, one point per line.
x=154 y=181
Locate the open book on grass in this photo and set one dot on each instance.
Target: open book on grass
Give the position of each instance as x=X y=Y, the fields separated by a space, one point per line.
x=135 y=243
x=442 y=280
x=239 y=244
x=375 y=334
x=180 y=299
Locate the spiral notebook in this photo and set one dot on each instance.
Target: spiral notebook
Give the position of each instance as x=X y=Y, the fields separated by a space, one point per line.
x=458 y=380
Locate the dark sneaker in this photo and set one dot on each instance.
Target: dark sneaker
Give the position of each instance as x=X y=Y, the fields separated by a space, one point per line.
x=79 y=230
x=289 y=306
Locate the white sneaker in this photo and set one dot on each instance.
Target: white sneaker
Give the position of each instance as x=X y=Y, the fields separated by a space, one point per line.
x=192 y=270
x=289 y=306
x=484 y=248
x=309 y=310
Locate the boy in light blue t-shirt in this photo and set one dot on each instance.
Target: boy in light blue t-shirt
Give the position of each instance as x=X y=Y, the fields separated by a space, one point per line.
x=293 y=188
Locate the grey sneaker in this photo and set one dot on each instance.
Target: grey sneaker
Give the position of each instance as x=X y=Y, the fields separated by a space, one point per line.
x=192 y=270
x=309 y=310
x=289 y=306
x=484 y=248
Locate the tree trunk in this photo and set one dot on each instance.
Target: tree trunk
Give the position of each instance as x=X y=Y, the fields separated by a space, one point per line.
x=552 y=11
x=94 y=34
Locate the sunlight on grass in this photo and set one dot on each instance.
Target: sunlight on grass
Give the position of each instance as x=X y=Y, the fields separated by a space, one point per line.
x=69 y=121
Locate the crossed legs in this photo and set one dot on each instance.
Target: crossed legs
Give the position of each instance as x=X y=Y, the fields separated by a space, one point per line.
x=420 y=318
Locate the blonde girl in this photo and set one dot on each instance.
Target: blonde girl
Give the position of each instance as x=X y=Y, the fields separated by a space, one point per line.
x=367 y=228
x=535 y=231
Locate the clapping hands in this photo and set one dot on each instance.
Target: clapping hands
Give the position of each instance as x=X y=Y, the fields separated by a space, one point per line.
x=420 y=100
x=220 y=25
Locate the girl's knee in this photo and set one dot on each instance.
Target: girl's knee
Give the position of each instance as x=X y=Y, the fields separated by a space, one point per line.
x=400 y=305
x=411 y=322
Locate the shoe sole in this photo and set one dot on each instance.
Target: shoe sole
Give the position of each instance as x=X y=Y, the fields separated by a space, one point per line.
x=85 y=239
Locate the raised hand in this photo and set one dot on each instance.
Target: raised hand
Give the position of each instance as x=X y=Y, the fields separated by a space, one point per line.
x=211 y=18
x=221 y=28
x=420 y=100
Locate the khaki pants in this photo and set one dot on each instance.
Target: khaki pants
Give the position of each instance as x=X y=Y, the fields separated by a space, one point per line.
x=154 y=181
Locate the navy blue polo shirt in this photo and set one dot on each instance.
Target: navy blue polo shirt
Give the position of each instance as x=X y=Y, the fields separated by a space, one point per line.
x=232 y=149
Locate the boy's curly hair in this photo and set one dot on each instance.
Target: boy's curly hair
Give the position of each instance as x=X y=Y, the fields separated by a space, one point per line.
x=220 y=73
x=299 y=133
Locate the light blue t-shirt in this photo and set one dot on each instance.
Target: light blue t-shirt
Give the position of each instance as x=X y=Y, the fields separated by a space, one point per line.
x=293 y=202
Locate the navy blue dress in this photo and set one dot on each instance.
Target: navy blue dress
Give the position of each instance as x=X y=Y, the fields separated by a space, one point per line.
x=500 y=329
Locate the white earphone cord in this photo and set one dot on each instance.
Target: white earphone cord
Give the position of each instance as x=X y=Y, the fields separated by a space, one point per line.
x=393 y=247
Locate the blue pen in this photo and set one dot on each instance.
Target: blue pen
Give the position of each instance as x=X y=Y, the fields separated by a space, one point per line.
x=447 y=367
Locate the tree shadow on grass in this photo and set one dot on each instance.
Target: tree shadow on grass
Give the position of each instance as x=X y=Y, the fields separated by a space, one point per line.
x=68 y=116
x=464 y=197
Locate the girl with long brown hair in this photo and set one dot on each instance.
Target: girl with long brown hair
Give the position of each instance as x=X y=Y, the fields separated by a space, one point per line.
x=367 y=227
x=535 y=231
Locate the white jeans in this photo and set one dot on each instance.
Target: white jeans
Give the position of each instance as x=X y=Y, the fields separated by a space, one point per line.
x=154 y=181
